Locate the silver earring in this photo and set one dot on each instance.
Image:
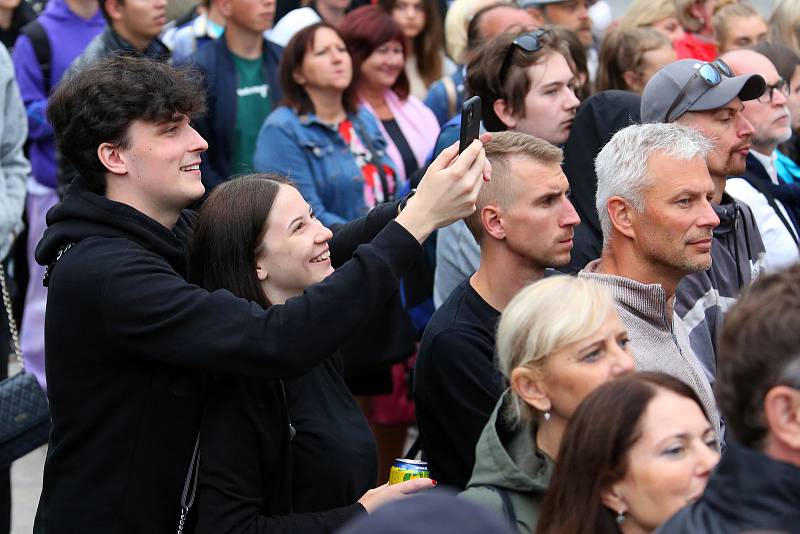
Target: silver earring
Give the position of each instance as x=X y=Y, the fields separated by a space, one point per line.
x=620 y=517
x=547 y=415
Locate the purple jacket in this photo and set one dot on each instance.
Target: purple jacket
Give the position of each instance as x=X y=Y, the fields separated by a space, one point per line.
x=69 y=34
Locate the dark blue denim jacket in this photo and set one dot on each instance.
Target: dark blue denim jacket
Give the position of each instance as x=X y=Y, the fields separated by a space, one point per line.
x=315 y=157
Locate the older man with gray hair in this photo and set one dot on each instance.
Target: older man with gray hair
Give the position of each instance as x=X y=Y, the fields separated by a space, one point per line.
x=654 y=197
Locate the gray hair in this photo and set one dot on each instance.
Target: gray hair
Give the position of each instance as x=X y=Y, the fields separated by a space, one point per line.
x=622 y=165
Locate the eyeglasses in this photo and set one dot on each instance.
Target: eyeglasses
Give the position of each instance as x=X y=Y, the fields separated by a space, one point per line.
x=711 y=73
x=528 y=42
x=781 y=86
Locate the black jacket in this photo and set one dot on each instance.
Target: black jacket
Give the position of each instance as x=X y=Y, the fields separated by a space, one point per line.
x=217 y=126
x=599 y=118
x=128 y=341
x=748 y=492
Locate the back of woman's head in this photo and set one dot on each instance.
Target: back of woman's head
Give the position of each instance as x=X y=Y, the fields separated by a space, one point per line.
x=647 y=12
x=784 y=23
x=294 y=94
x=364 y=30
x=544 y=316
x=594 y=452
x=227 y=233
x=624 y=50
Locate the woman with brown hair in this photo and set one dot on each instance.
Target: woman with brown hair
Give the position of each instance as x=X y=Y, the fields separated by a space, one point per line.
x=636 y=450
x=296 y=455
x=320 y=136
x=422 y=26
x=378 y=49
x=629 y=58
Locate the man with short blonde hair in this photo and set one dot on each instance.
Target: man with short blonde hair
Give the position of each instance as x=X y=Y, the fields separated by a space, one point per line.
x=524 y=224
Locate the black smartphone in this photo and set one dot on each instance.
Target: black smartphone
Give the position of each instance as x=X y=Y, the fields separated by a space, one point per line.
x=470 y=122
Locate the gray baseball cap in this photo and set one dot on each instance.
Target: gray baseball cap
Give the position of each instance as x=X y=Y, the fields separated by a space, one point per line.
x=666 y=84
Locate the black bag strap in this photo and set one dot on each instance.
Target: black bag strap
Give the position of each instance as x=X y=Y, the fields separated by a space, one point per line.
x=508 y=507
x=41 y=48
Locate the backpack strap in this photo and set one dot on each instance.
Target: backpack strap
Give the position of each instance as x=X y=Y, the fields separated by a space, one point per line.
x=508 y=506
x=41 y=48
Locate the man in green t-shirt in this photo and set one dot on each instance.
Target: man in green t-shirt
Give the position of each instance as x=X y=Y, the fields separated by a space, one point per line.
x=241 y=83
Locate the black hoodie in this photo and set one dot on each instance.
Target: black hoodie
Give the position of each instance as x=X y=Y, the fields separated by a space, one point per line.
x=599 y=118
x=128 y=342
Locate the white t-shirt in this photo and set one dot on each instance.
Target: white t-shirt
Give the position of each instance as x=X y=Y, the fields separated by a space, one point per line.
x=781 y=248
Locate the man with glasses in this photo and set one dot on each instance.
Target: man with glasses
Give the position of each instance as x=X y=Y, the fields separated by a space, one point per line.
x=756 y=486
x=774 y=203
x=706 y=96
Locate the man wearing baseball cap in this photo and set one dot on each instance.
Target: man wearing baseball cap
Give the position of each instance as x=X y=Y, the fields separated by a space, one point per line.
x=572 y=15
x=707 y=97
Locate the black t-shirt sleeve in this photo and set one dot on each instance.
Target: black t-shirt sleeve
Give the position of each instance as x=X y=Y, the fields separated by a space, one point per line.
x=463 y=386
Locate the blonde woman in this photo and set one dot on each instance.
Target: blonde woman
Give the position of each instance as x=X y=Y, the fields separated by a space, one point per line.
x=696 y=17
x=661 y=15
x=629 y=58
x=785 y=23
x=557 y=340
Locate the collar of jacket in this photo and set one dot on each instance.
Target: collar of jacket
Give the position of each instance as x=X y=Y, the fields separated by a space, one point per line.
x=115 y=42
x=306 y=119
x=750 y=484
x=646 y=301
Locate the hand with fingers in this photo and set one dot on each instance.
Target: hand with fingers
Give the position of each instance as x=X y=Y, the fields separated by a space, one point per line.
x=448 y=191
x=381 y=495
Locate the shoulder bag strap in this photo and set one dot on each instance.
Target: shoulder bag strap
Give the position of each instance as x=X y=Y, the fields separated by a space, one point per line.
x=41 y=49
x=12 y=324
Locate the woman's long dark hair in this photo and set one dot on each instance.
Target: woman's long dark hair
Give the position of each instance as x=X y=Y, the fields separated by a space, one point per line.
x=228 y=230
x=594 y=453
x=294 y=94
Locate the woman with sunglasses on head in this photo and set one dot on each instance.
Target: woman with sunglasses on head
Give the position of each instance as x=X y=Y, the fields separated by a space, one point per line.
x=636 y=451
x=377 y=46
x=297 y=455
x=557 y=340
x=320 y=137
x=422 y=27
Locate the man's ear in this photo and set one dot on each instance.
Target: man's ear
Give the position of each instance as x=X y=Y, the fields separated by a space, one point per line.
x=112 y=159
x=492 y=221
x=782 y=412
x=504 y=113
x=527 y=383
x=113 y=9
x=622 y=216
x=225 y=7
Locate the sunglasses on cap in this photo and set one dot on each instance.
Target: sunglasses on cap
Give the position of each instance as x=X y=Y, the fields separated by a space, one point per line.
x=711 y=73
x=528 y=42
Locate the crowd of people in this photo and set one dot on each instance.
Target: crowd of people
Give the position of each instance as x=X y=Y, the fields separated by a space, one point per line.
x=252 y=266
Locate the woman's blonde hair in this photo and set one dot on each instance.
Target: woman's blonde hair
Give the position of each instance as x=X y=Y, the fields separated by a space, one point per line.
x=456 y=22
x=543 y=317
x=785 y=23
x=646 y=13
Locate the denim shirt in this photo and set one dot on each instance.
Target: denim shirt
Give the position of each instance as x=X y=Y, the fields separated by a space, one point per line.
x=315 y=157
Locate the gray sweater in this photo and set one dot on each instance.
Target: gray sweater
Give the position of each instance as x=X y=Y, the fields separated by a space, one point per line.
x=14 y=168
x=658 y=338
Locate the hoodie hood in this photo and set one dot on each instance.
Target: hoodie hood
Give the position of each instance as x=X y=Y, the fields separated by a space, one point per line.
x=83 y=214
x=59 y=10
x=510 y=459
x=598 y=119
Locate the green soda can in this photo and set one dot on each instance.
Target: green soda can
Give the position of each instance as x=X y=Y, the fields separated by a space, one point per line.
x=404 y=469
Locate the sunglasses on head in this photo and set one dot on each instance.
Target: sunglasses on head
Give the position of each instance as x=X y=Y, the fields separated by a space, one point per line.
x=711 y=73
x=528 y=42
